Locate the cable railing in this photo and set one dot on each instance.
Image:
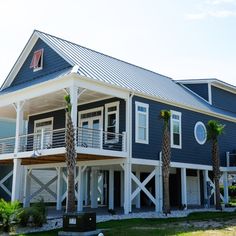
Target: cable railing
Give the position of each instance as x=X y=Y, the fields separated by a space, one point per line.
x=7 y=145
x=230 y=159
x=50 y=139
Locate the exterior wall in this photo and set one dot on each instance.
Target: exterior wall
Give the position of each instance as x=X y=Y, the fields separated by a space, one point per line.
x=52 y=62
x=7 y=128
x=200 y=89
x=223 y=99
x=59 y=115
x=191 y=151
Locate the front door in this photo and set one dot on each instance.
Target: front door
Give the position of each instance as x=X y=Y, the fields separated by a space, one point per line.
x=44 y=127
x=90 y=132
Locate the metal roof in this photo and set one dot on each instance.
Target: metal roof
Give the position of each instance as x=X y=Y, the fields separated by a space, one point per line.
x=109 y=70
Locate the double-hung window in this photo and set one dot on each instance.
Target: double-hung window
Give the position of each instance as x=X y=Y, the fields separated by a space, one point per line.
x=176 y=130
x=141 y=122
x=112 y=122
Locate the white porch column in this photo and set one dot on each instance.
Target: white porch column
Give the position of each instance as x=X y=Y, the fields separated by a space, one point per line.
x=19 y=124
x=80 y=190
x=127 y=188
x=205 y=178
x=111 y=189
x=122 y=188
x=94 y=189
x=17 y=168
x=59 y=188
x=16 y=179
x=184 y=186
x=27 y=187
x=74 y=102
x=158 y=189
x=86 y=192
x=226 y=190
x=137 y=198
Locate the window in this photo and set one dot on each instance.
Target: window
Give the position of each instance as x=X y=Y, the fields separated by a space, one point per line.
x=200 y=132
x=112 y=122
x=37 y=60
x=175 y=130
x=141 y=122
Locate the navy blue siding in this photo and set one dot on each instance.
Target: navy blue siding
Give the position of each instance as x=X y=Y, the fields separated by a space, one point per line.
x=223 y=99
x=59 y=116
x=58 y=119
x=4 y=170
x=52 y=62
x=200 y=89
x=191 y=151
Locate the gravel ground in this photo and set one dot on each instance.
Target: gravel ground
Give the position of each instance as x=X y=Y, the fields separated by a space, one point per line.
x=56 y=222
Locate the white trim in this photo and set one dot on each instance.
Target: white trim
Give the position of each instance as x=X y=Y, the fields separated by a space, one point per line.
x=137 y=112
x=177 y=113
x=195 y=133
x=209 y=93
x=43 y=120
x=117 y=125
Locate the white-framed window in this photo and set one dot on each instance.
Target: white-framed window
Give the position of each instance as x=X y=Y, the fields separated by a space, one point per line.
x=200 y=132
x=141 y=123
x=112 y=122
x=175 y=130
x=45 y=127
x=37 y=60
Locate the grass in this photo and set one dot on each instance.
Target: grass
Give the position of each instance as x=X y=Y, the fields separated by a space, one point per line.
x=171 y=226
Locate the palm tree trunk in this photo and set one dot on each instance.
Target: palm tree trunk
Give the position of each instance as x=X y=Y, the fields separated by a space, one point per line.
x=71 y=192
x=216 y=172
x=166 y=169
x=71 y=163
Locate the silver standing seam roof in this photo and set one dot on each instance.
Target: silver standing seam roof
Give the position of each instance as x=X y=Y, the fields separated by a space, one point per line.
x=109 y=70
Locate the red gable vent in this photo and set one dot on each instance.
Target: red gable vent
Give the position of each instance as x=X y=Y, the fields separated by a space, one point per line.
x=37 y=60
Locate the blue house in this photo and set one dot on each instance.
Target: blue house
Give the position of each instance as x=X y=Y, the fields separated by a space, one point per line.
x=115 y=109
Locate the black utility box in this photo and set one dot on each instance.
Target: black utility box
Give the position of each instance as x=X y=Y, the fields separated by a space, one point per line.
x=79 y=222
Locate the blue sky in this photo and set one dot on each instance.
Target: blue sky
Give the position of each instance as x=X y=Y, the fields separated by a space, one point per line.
x=183 y=39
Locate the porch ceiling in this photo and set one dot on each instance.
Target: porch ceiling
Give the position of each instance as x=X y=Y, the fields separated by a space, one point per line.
x=49 y=102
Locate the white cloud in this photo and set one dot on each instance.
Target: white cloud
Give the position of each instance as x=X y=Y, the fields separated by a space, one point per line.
x=218 y=2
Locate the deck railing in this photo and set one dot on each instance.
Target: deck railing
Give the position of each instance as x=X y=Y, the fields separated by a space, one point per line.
x=85 y=138
x=230 y=159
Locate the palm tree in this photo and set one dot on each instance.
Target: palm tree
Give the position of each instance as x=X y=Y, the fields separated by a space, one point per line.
x=166 y=154
x=70 y=158
x=214 y=130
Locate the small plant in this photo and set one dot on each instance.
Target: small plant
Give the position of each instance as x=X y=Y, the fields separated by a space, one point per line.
x=9 y=214
x=34 y=215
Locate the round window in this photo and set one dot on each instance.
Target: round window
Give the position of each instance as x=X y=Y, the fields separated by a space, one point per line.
x=200 y=132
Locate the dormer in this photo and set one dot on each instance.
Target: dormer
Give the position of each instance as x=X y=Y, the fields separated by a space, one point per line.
x=216 y=92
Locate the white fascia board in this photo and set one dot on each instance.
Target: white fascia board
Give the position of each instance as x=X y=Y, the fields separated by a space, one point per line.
x=95 y=85
x=154 y=98
x=20 y=61
x=195 y=81
x=36 y=90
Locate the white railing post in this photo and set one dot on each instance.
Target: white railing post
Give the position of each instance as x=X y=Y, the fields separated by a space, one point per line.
x=227 y=159
x=42 y=139
x=101 y=139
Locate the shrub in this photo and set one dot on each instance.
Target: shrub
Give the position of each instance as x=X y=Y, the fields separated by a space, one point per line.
x=36 y=215
x=231 y=189
x=9 y=214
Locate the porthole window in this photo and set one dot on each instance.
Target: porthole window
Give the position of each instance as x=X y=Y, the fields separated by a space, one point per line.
x=200 y=132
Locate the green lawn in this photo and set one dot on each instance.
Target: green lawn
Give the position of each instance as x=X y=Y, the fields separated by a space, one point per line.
x=172 y=226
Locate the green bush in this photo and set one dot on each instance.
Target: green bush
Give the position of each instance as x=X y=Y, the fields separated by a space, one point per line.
x=35 y=215
x=9 y=214
x=231 y=189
